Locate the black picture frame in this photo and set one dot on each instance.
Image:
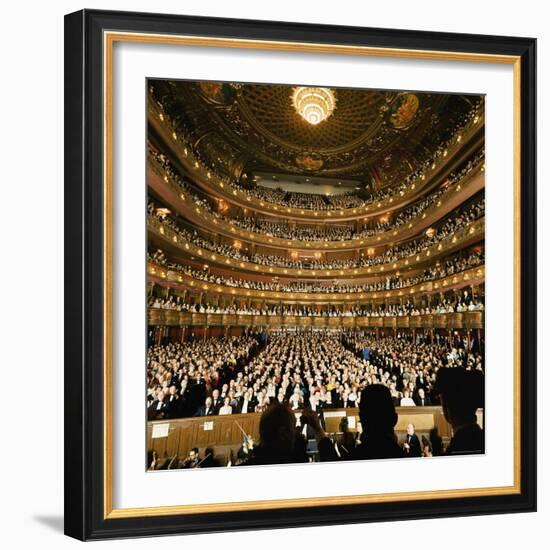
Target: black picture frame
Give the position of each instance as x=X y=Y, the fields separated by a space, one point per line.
x=84 y=281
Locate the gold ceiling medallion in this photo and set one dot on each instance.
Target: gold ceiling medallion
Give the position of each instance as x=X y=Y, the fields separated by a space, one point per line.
x=403 y=110
x=309 y=161
x=313 y=104
x=217 y=92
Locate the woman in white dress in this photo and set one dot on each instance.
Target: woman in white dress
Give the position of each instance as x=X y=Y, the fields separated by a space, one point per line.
x=226 y=408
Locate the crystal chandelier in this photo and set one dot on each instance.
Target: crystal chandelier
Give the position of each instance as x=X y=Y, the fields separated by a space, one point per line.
x=314 y=104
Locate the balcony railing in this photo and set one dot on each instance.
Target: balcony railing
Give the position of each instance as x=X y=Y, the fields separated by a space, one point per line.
x=451 y=321
x=472 y=276
x=459 y=239
x=216 y=224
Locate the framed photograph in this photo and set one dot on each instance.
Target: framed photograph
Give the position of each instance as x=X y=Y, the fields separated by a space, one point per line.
x=300 y=275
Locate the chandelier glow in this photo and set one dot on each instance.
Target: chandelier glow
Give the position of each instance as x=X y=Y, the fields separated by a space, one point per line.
x=314 y=104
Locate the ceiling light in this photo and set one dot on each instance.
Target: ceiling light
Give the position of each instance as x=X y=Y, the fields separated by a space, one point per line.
x=313 y=104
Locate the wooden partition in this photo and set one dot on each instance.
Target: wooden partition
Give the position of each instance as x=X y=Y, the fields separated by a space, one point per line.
x=166 y=317
x=225 y=433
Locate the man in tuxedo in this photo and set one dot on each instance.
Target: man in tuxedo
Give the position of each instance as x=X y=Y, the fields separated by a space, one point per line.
x=157 y=409
x=421 y=399
x=246 y=403
x=337 y=401
x=206 y=409
x=217 y=401
x=412 y=446
x=173 y=404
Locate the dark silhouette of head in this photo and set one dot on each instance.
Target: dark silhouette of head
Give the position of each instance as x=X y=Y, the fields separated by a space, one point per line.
x=344 y=424
x=461 y=392
x=209 y=452
x=376 y=409
x=436 y=442
x=277 y=430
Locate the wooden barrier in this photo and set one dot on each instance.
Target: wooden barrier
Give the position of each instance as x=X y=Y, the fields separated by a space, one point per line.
x=440 y=321
x=167 y=317
x=427 y=321
x=415 y=321
x=403 y=322
x=223 y=433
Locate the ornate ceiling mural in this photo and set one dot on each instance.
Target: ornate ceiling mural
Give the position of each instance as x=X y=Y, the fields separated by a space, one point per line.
x=367 y=135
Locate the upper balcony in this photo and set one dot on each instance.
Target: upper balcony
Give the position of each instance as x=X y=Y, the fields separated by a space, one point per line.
x=461 y=144
x=166 y=238
x=201 y=215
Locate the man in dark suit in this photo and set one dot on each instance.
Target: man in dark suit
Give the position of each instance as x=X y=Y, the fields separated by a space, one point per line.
x=157 y=409
x=217 y=401
x=412 y=446
x=461 y=393
x=173 y=404
x=337 y=401
x=206 y=409
x=246 y=403
x=421 y=399
x=378 y=419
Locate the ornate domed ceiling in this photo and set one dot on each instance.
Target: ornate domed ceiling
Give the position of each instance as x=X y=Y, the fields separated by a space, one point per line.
x=270 y=110
x=249 y=128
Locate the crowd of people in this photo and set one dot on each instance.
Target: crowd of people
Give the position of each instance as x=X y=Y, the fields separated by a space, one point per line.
x=450 y=266
x=317 y=370
x=284 y=440
x=464 y=302
x=442 y=231
x=326 y=232
x=307 y=201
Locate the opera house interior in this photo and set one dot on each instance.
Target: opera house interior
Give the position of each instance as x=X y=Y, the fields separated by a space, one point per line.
x=315 y=274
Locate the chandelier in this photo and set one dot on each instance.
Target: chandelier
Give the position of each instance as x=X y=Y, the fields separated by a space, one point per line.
x=313 y=104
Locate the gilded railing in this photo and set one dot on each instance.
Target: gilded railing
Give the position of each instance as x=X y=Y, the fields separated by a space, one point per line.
x=461 y=236
x=218 y=225
x=472 y=276
x=466 y=320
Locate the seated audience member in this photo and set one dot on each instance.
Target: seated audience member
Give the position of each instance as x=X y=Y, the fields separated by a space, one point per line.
x=152 y=460
x=209 y=460
x=246 y=403
x=173 y=405
x=281 y=442
x=421 y=400
x=192 y=461
x=412 y=443
x=277 y=438
x=462 y=393
x=426 y=447
x=406 y=400
x=157 y=407
x=346 y=440
x=436 y=443
x=227 y=408
x=207 y=409
x=216 y=401
x=378 y=419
